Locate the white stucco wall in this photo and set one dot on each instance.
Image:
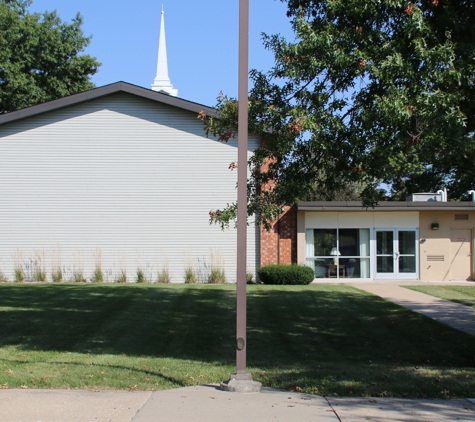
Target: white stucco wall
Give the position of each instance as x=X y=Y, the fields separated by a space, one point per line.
x=361 y=219
x=131 y=178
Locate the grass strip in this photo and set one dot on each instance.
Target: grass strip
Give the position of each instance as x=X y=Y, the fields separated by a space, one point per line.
x=459 y=294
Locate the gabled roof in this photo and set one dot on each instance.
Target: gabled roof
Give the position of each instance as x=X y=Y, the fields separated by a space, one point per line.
x=103 y=91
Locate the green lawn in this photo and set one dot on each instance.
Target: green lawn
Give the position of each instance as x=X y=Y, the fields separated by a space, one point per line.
x=321 y=339
x=460 y=294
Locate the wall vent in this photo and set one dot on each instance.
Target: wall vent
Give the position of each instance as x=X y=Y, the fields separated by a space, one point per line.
x=461 y=216
x=435 y=258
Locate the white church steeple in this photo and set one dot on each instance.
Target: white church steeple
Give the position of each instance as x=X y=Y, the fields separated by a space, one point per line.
x=162 y=82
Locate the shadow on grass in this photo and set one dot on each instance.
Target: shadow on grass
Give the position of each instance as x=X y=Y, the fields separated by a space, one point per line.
x=339 y=335
x=157 y=321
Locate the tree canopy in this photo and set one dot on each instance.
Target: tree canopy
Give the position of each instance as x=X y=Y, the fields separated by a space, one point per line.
x=370 y=92
x=40 y=56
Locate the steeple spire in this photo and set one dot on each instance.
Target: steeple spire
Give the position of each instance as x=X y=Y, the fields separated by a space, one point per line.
x=162 y=82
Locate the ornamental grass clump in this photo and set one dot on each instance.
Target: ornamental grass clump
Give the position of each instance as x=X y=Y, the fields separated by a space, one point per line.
x=190 y=276
x=217 y=274
x=286 y=274
x=39 y=270
x=121 y=277
x=57 y=275
x=78 y=268
x=19 y=275
x=18 y=266
x=249 y=278
x=98 y=275
x=56 y=270
x=78 y=277
x=164 y=276
x=140 y=277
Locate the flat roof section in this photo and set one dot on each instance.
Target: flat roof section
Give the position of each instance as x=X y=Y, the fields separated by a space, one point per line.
x=385 y=206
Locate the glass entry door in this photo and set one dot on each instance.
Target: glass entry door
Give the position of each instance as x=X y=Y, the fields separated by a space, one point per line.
x=396 y=254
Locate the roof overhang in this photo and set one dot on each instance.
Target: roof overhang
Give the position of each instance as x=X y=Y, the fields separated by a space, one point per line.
x=385 y=206
x=104 y=91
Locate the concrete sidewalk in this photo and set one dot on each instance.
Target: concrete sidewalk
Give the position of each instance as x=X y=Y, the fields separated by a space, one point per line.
x=453 y=314
x=209 y=403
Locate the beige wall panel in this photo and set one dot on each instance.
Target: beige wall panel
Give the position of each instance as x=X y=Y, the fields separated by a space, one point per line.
x=301 y=237
x=435 y=245
x=320 y=220
x=361 y=219
x=460 y=254
x=355 y=220
x=396 y=219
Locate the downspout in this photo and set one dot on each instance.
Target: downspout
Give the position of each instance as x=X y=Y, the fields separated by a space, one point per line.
x=472 y=192
x=278 y=240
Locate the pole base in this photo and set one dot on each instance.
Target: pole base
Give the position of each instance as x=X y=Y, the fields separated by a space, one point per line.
x=241 y=383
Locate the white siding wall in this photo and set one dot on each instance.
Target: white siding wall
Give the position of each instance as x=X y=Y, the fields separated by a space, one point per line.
x=131 y=177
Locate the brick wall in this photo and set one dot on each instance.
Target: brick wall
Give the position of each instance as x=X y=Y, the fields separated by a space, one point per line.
x=279 y=245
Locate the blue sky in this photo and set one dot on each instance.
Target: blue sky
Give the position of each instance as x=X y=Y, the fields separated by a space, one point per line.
x=202 y=40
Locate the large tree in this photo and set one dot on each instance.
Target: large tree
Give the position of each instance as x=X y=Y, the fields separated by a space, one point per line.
x=40 y=56
x=370 y=92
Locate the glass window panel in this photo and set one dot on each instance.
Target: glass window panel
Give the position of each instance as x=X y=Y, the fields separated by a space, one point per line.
x=336 y=270
x=407 y=264
x=325 y=240
x=320 y=268
x=344 y=262
x=384 y=243
x=348 y=242
x=350 y=268
x=407 y=242
x=385 y=264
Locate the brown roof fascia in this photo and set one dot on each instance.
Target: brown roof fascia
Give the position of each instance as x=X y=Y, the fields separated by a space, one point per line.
x=103 y=91
x=385 y=206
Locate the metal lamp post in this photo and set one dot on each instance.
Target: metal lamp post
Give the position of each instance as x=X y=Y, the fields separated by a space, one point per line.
x=241 y=381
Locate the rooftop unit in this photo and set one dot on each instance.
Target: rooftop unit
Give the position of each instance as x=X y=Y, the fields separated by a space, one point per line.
x=425 y=197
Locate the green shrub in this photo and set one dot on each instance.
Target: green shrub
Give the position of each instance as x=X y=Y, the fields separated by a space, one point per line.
x=286 y=274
